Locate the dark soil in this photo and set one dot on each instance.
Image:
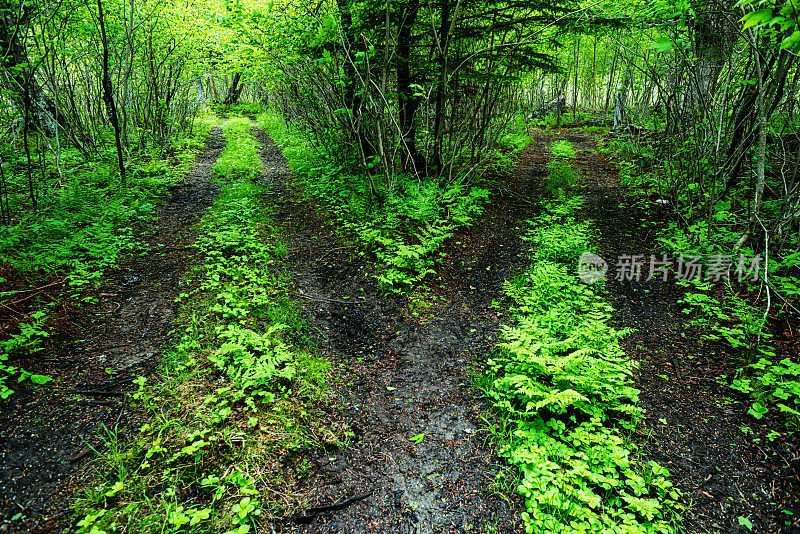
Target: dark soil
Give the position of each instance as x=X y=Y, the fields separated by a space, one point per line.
x=693 y=425
x=405 y=377
x=46 y=434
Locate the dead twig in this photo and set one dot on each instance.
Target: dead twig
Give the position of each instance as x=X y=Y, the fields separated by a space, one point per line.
x=97 y=393
x=331 y=251
x=310 y=513
x=9 y=293
x=315 y=298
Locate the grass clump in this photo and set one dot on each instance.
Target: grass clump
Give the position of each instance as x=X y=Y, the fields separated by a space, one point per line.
x=561 y=388
x=234 y=399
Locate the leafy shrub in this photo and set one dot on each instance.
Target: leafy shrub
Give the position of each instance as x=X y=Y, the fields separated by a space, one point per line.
x=773 y=383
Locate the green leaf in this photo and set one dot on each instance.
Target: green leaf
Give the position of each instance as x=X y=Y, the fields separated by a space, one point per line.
x=745 y=522
x=761 y=16
x=758 y=411
x=792 y=42
x=418 y=438
x=663 y=44
x=116 y=488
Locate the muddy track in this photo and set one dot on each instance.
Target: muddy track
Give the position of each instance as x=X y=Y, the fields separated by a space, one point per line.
x=693 y=425
x=403 y=377
x=45 y=433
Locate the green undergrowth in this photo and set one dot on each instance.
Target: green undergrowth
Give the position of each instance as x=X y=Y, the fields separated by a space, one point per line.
x=564 y=405
x=728 y=313
x=722 y=316
x=404 y=224
x=560 y=175
x=236 y=400
x=83 y=220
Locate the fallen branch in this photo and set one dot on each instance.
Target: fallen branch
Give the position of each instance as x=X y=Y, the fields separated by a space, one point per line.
x=86 y=451
x=94 y=403
x=314 y=298
x=9 y=293
x=331 y=251
x=97 y=393
x=310 y=513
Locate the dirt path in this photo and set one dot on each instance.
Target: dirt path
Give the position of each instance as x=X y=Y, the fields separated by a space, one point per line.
x=44 y=433
x=405 y=378
x=693 y=426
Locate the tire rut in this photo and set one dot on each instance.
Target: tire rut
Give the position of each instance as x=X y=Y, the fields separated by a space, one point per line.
x=45 y=433
x=693 y=424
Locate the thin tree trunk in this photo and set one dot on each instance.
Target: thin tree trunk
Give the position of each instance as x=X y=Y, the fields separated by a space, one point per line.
x=575 y=79
x=108 y=91
x=235 y=90
x=762 y=145
x=408 y=103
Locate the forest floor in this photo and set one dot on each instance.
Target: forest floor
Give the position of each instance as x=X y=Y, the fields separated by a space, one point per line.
x=401 y=376
x=420 y=458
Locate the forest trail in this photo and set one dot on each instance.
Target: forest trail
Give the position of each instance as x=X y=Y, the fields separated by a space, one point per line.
x=420 y=459
x=693 y=425
x=419 y=452
x=43 y=438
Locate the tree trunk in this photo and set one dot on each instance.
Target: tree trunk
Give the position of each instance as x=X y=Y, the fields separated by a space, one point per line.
x=17 y=76
x=352 y=100
x=234 y=91
x=408 y=103
x=575 y=79
x=108 y=91
x=441 y=92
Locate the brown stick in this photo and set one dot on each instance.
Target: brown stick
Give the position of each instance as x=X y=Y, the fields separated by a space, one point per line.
x=9 y=293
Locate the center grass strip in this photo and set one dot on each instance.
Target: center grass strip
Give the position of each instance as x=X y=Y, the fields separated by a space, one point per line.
x=561 y=387
x=235 y=397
